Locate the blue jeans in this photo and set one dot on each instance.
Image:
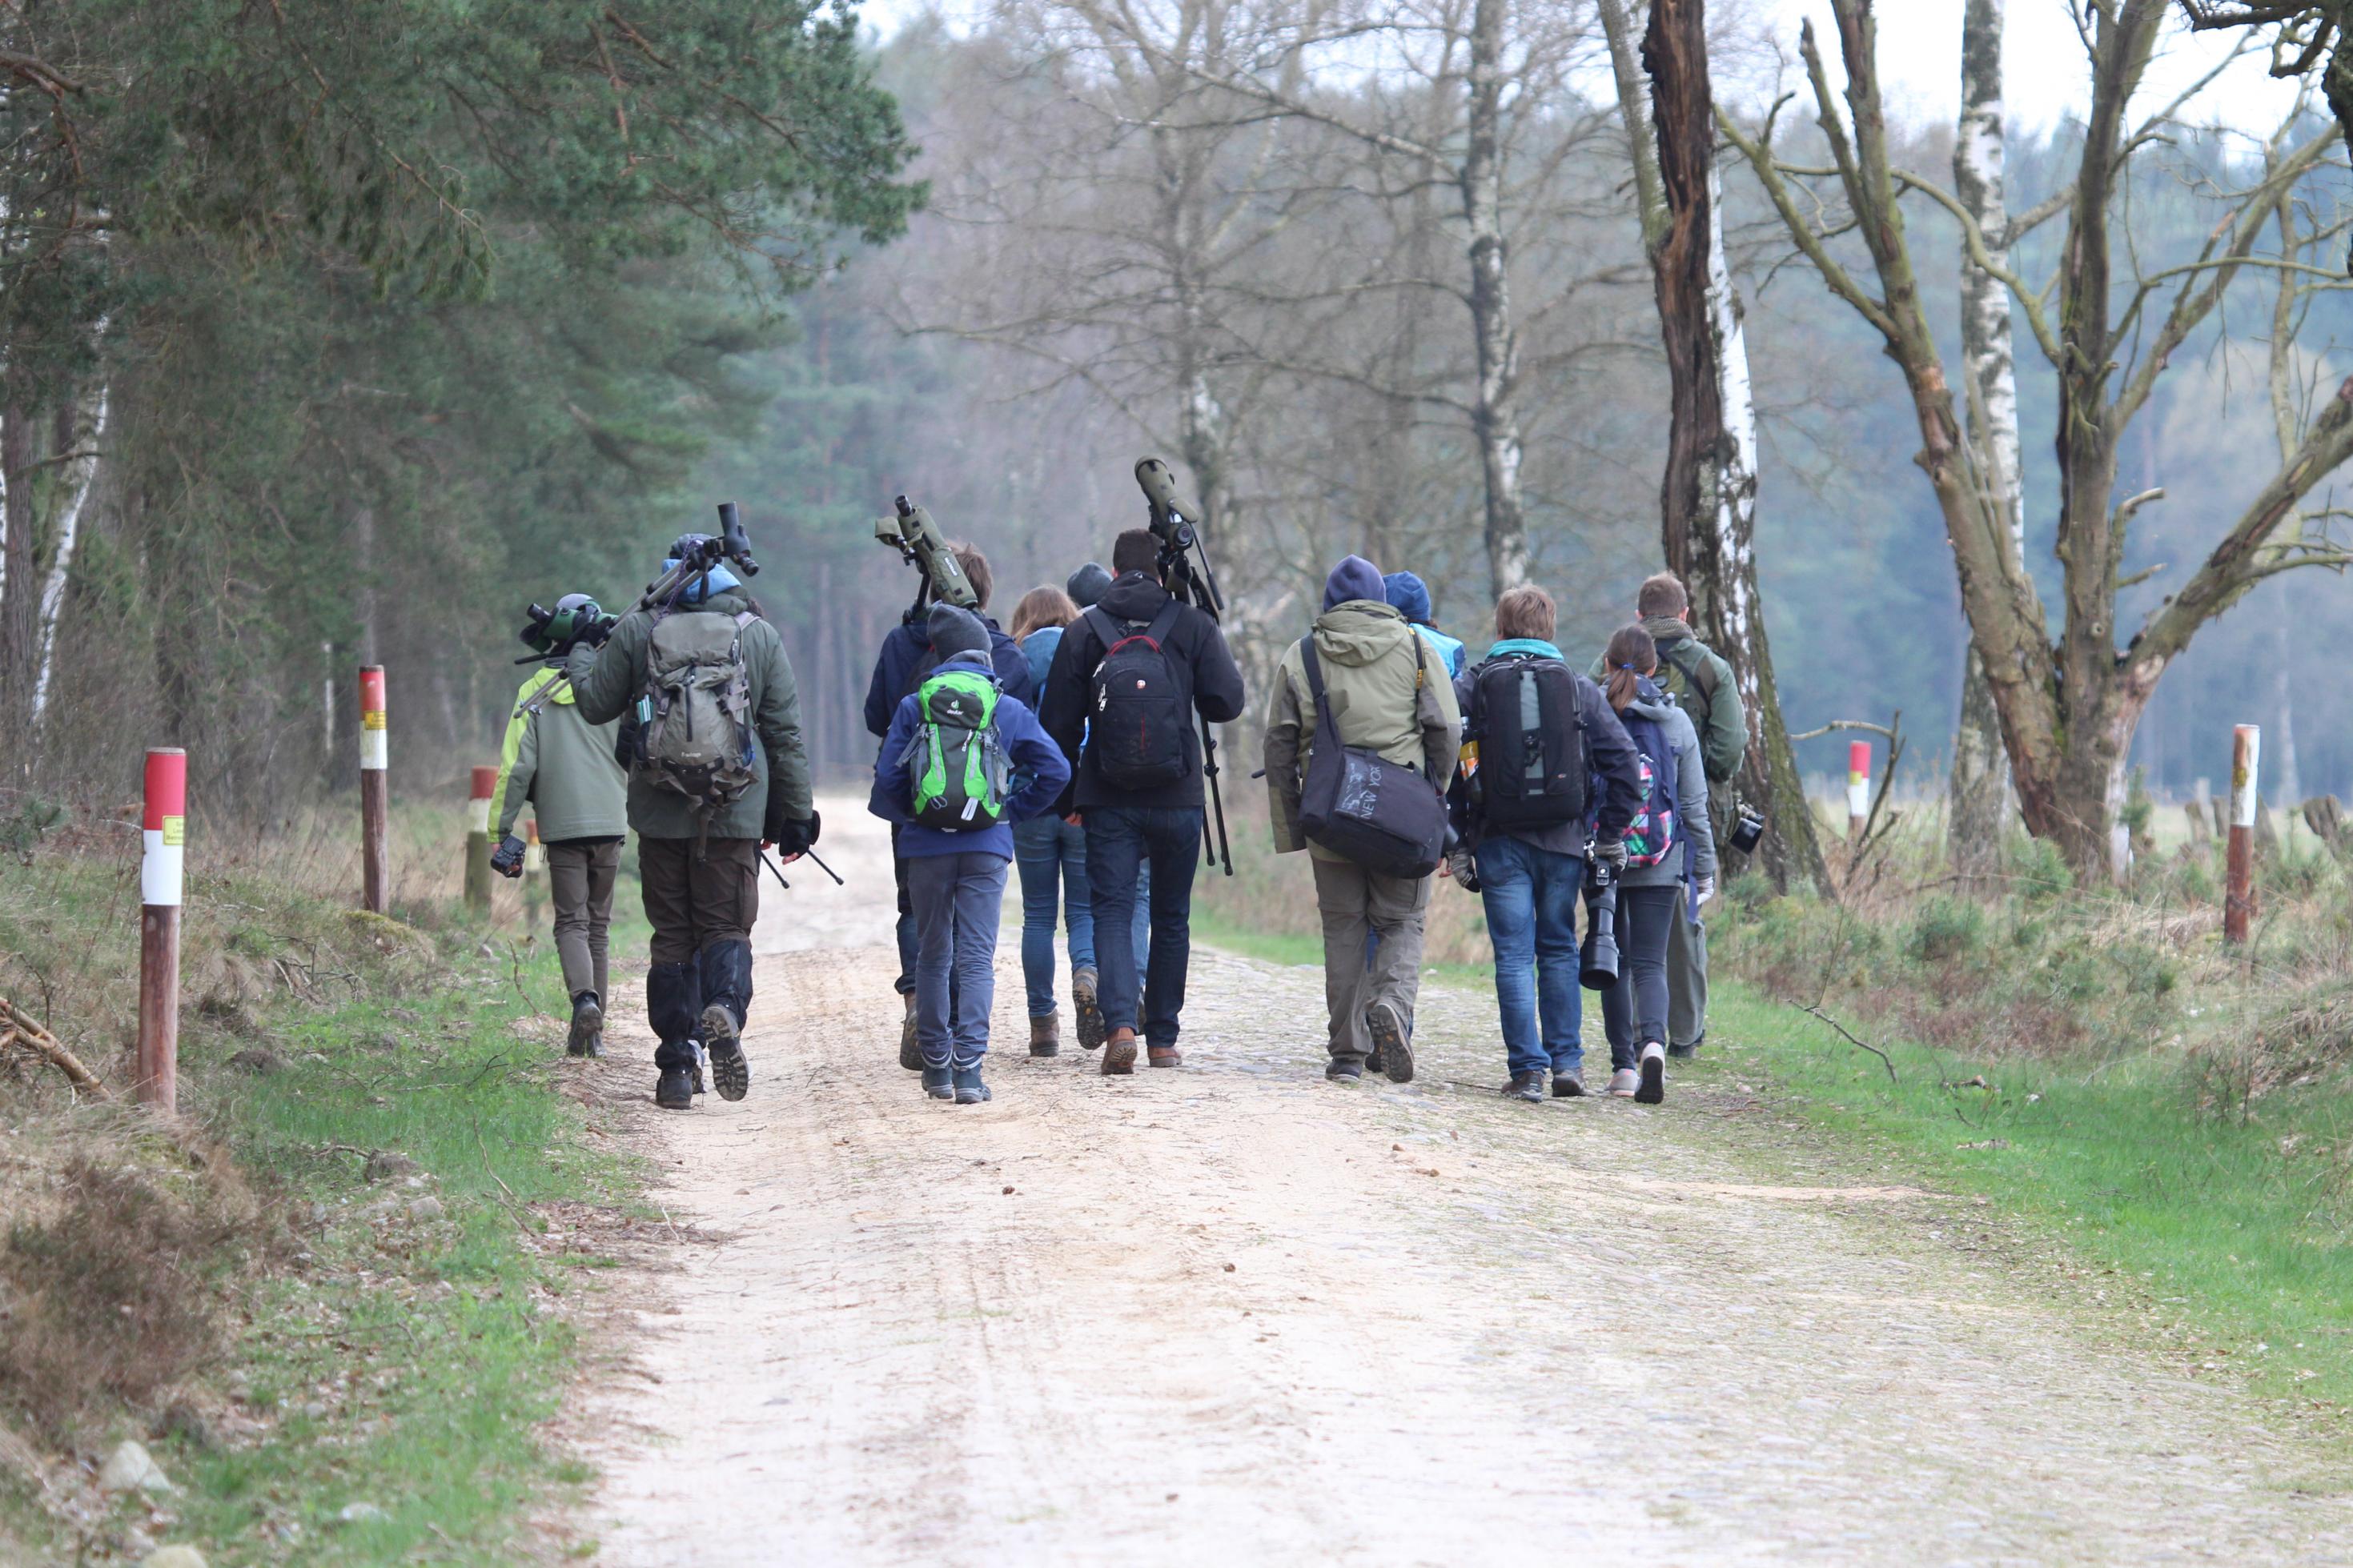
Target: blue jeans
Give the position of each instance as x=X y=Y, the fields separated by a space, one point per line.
x=1052 y=856
x=1531 y=900
x=1123 y=843
x=957 y=901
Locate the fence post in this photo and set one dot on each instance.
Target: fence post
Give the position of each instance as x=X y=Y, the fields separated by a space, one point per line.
x=478 y=840
x=376 y=862
x=1858 y=787
x=2238 y=903
x=162 y=830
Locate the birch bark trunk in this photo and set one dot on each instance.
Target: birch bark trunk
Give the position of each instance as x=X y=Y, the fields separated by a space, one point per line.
x=1495 y=416
x=53 y=591
x=20 y=610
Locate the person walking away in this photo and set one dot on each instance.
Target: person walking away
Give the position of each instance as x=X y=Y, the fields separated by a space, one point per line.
x=1086 y=585
x=1670 y=865
x=1545 y=761
x=1698 y=680
x=1121 y=698
x=1052 y=854
x=905 y=657
x=943 y=780
x=702 y=667
x=565 y=768
x=1385 y=692
x=1409 y=596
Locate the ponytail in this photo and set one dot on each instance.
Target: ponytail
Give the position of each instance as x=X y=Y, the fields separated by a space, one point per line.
x=1630 y=656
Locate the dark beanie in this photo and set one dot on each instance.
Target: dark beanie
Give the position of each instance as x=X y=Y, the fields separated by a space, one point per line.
x=1087 y=584
x=953 y=631
x=1354 y=578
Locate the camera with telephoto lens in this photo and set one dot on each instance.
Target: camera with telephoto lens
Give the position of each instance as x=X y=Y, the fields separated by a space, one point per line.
x=910 y=531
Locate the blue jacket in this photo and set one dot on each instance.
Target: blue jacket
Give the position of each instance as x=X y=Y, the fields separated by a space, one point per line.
x=1409 y=596
x=1038 y=767
x=904 y=650
x=1450 y=649
x=1039 y=647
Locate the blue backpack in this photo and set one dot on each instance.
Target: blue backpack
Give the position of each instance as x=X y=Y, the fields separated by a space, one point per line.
x=1654 y=833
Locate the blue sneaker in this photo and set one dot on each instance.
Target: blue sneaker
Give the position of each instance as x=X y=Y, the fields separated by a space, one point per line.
x=969 y=1090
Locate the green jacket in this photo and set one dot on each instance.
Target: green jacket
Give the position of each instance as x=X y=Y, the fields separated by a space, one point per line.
x=1697 y=678
x=1366 y=653
x=562 y=764
x=609 y=679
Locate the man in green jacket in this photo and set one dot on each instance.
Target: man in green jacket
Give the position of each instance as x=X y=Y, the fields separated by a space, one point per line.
x=699 y=859
x=1696 y=677
x=564 y=767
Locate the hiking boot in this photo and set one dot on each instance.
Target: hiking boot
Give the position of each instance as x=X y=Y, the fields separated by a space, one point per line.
x=1527 y=1086
x=1623 y=1082
x=1046 y=1036
x=1119 y=1054
x=1654 y=1075
x=1685 y=1053
x=700 y=1061
x=910 y=1055
x=729 y=1070
x=1164 y=1056
x=938 y=1083
x=1089 y=1010
x=587 y=1028
x=1389 y=1039
x=1372 y=1062
x=674 y=1090
x=1568 y=1085
x=1346 y=1069
x=969 y=1090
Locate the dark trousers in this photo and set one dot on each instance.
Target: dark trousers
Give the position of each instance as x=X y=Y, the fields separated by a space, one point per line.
x=1634 y=1011
x=1120 y=841
x=701 y=906
x=958 y=900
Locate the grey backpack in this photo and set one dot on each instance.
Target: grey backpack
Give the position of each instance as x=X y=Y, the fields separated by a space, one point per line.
x=695 y=735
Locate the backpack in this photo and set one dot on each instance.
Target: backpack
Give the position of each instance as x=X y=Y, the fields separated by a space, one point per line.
x=1135 y=716
x=1534 y=767
x=1382 y=814
x=1654 y=834
x=956 y=759
x=694 y=736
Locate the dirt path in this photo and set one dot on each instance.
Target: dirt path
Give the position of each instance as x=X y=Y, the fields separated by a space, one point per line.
x=1235 y=1312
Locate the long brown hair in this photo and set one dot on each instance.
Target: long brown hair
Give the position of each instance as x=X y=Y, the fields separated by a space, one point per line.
x=1047 y=606
x=1631 y=654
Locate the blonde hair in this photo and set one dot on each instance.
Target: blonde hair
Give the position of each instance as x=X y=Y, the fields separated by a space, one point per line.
x=1631 y=655
x=1047 y=606
x=1525 y=612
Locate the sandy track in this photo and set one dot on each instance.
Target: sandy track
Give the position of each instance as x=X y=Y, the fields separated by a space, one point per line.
x=1233 y=1312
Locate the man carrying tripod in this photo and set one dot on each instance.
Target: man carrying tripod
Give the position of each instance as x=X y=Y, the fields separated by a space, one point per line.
x=1121 y=699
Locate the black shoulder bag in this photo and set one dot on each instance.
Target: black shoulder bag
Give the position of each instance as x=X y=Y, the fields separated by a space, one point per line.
x=1384 y=815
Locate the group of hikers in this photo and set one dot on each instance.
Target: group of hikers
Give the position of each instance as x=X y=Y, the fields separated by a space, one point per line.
x=1068 y=748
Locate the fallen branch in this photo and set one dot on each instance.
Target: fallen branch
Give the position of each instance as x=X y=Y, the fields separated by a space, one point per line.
x=1859 y=1045
x=18 y=1028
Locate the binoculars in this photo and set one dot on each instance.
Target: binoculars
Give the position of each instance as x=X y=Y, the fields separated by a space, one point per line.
x=910 y=531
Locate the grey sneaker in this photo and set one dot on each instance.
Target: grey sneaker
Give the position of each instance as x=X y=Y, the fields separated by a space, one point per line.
x=1623 y=1082
x=1654 y=1075
x=1390 y=1041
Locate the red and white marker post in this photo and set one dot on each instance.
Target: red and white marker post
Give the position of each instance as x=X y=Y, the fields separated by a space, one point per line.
x=477 y=839
x=375 y=794
x=2239 y=900
x=163 y=833
x=1858 y=787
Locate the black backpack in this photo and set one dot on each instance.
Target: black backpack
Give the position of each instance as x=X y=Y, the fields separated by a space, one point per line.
x=1382 y=814
x=1135 y=716
x=1534 y=768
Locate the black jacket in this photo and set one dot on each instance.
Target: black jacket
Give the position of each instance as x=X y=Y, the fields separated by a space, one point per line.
x=1205 y=672
x=1617 y=779
x=903 y=656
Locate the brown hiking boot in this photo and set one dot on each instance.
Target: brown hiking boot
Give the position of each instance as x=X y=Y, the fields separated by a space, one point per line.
x=910 y=1055
x=1045 y=1035
x=1119 y=1054
x=1089 y=1011
x=1164 y=1056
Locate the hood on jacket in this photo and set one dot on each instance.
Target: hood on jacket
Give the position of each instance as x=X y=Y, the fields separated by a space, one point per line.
x=1408 y=595
x=1133 y=596
x=1354 y=578
x=1358 y=633
x=1087 y=584
x=1665 y=629
x=721 y=580
x=537 y=682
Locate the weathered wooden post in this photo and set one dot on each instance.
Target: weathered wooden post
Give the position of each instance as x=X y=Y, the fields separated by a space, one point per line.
x=2238 y=903
x=376 y=858
x=162 y=830
x=478 y=840
x=1858 y=787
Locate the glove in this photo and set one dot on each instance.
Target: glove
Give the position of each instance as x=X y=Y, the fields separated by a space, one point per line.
x=1611 y=852
x=1464 y=867
x=791 y=838
x=596 y=631
x=1703 y=890
x=507 y=858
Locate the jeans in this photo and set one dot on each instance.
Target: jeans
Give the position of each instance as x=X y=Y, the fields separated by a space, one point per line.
x=1634 y=1011
x=1530 y=896
x=1123 y=843
x=957 y=900
x=1354 y=902
x=1053 y=855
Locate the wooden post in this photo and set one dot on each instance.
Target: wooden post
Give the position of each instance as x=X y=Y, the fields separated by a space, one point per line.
x=375 y=858
x=534 y=869
x=1858 y=787
x=478 y=840
x=2239 y=903
x=163 y=831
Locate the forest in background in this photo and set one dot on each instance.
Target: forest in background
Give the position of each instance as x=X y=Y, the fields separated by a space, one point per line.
x=329 y=436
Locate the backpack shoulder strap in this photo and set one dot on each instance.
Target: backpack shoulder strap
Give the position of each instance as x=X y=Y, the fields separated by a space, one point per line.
x=1164 y=624
x=1314 y=671
x=1107 y=630
x=1685 y=656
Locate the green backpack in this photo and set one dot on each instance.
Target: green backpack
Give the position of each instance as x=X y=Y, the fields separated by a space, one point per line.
x=956 y=759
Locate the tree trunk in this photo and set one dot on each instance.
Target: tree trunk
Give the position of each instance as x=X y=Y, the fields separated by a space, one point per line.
x=20 y=610
x=53 y=592
x=1495 y=420
x=1708 y=497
